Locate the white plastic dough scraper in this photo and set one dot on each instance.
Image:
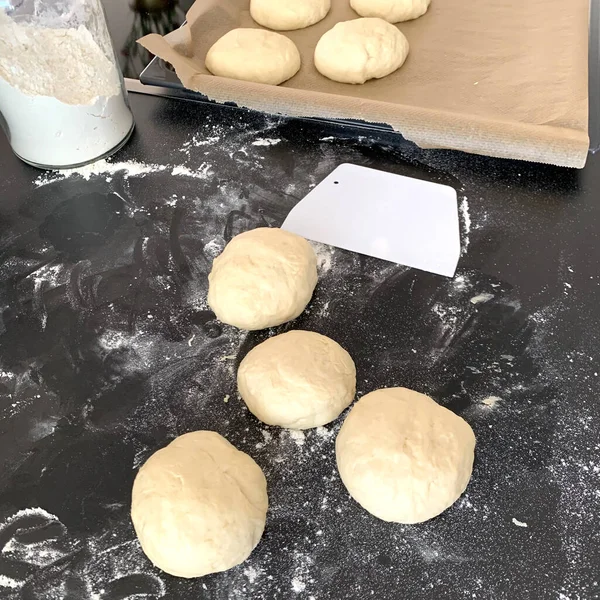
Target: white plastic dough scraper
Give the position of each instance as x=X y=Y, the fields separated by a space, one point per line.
x=388 y=216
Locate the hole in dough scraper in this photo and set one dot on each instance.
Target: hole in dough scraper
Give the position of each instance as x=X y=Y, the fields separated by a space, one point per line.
x=388 y=216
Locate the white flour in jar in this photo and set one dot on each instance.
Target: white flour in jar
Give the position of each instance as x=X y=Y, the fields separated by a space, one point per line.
x=60 y=94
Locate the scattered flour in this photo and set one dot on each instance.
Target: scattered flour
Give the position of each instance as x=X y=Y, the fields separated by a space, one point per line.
x=481 y=298
x=214 y=247
x=459 y=283
x=298 y=585
x=29 y=512
x=114 y=340
x=280 y=456
x=267 y=438
x=298 y=436
x=198 y=140
x=114 y=558
x=50 y=275
x=324 y=257
x=230 y=140
x=42 y=553
x=8 y=582
x=266 y=142
x=301 y=577
x=251 y=573
x=447 y=314
x=201 y=173
x=324 y=433
x=491 y=401
x=132 y=168
x=466 y=217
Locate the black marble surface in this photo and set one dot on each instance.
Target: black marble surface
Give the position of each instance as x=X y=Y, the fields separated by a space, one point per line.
x=108 y=351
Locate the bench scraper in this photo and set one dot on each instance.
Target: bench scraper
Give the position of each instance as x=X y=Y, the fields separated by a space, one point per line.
x=388 y=216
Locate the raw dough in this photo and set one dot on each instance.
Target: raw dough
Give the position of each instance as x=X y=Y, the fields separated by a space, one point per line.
x=403 y=457
x=284 y=15
x=263 y=278
x=298 y=380
x=254 y=55
x=393 y=11
x=199 y=505
x=362 y=49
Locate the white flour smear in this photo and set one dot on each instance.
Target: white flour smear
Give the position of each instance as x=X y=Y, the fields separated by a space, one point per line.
x=201 y=173
x=41 y=554
x=252 y=574
x=481 y=298
x=324 y=256
x=266 y=142
x=466 y=220
x=132 y=168
x=37 y=539
x=231 y=141
x=59 y=93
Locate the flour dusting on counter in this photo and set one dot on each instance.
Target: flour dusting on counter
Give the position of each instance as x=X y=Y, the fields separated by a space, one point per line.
x=266 y=142
x=486 y=297
x=519 y=523
x=466 y=223
x=132 y=356
x=132 y=168
x=201 y=173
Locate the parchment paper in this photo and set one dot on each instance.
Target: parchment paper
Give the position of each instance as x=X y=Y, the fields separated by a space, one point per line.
x=504 y=78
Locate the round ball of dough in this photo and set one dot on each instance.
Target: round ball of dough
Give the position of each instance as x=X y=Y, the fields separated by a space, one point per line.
x=298 y=380
x=254 y=55
x=263 y=278
x=199 y=505
x=284 y=15
x=403 y=457
x=393 y=11
x=359 y=50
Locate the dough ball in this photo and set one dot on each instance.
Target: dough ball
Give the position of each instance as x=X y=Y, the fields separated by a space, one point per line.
x=263 y=278
x=254 y=55
x=285 y=15
x=359 y=50
x=199 y=505
x=403 y=457
x=393 y=11
x=298 y=380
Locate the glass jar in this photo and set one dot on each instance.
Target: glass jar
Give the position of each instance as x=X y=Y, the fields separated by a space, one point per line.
x=63 y=101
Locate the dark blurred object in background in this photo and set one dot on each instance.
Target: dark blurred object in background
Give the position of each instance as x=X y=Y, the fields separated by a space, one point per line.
x=128 y=22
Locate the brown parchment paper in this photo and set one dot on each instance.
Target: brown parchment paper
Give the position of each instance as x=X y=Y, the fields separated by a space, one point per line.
x=505 y=78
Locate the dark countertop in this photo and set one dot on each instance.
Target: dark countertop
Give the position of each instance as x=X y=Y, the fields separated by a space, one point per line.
x=108 y=351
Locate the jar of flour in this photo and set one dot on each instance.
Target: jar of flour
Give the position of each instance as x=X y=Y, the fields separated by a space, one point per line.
x=62 y=98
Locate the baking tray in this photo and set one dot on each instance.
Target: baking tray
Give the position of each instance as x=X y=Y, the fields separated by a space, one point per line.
x=161 y=74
